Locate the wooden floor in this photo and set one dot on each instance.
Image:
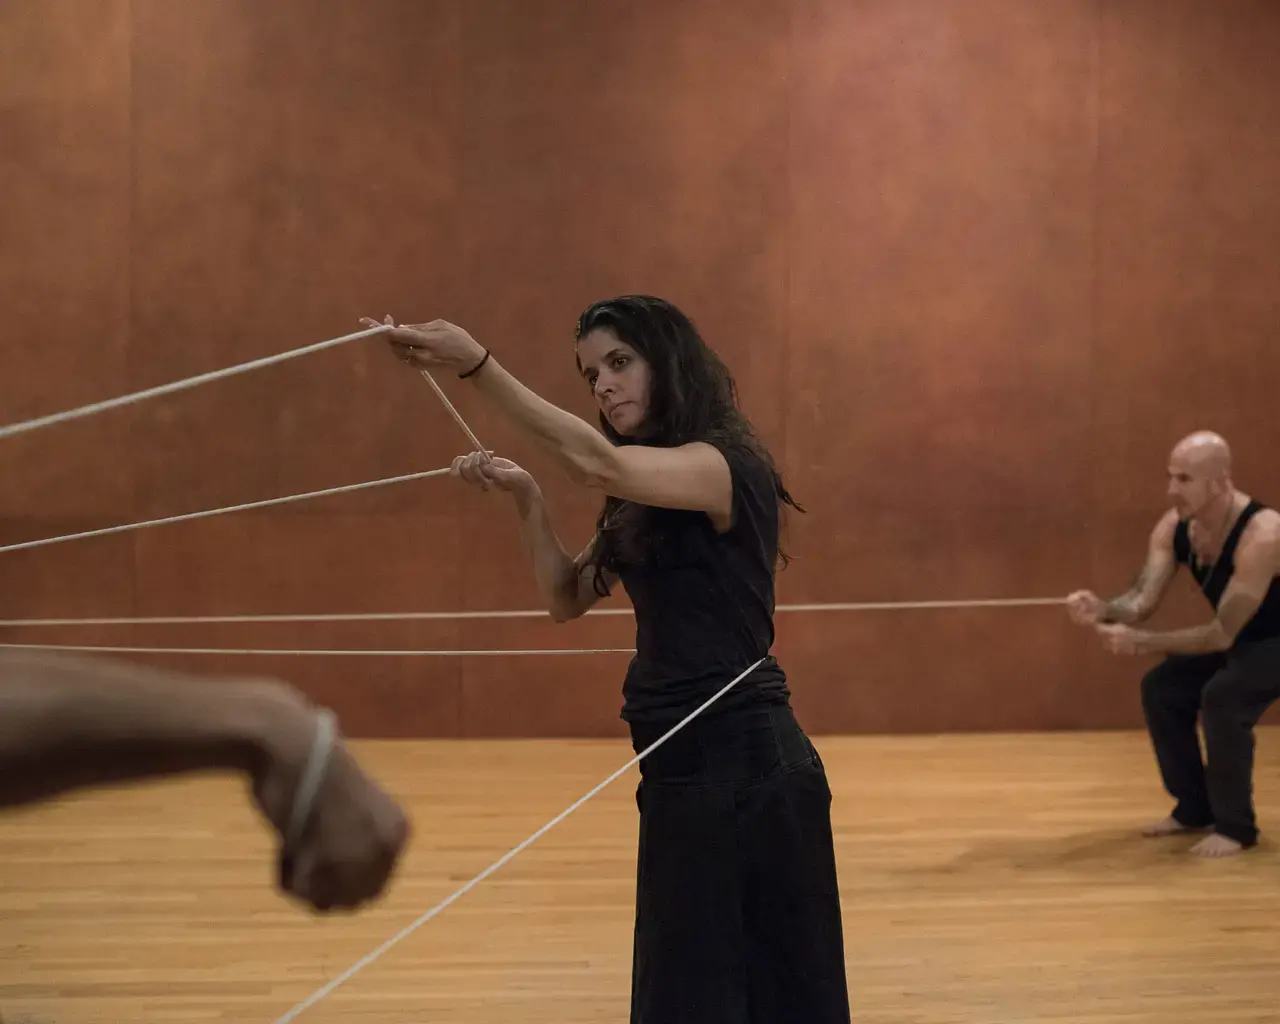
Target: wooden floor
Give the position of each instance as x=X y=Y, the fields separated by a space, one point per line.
x=985 y=879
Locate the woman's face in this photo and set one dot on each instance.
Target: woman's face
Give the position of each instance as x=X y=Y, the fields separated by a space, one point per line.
x=618 y=378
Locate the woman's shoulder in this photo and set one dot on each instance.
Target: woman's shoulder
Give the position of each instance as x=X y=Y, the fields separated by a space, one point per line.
x=754 y=482
x=748 y=462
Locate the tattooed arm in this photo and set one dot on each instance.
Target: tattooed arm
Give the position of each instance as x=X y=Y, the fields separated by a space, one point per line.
x=1257 y=563
x=1141 y=600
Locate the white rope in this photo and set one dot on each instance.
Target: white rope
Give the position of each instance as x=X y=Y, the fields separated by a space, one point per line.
x=180 y=385
x=943 y=603
x=404 y=933
x=357 y=653
x=522 y=613
x=200 y=620
x=475 y=441
x=345 y=489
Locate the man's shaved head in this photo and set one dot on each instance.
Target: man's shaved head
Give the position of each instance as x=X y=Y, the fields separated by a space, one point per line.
x=1199 y=473
x=1206 y=454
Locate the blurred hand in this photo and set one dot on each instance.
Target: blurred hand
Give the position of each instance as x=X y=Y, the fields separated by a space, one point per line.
x=355 y=833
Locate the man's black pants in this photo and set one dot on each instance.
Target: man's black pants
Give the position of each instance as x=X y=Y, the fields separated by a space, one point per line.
x=1229 y=692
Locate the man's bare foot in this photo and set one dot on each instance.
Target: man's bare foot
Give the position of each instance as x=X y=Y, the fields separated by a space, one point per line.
x=1169 y=826
x=1216 y=845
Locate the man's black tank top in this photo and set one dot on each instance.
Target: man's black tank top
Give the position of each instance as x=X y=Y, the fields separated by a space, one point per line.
x=1214 y=577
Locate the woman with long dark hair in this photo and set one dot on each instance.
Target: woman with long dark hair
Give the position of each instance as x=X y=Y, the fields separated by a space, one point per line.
x=737 y=908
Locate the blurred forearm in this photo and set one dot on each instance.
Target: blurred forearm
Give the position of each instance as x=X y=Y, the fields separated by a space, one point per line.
x=69 y=723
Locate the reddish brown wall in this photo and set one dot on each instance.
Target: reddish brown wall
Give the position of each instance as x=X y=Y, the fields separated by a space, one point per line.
x=975 y=265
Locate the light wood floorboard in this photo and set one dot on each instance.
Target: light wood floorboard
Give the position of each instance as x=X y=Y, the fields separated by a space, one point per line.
x=993 y=879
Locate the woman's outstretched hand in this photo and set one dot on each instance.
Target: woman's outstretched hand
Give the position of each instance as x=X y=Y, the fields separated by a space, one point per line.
x=431 y=345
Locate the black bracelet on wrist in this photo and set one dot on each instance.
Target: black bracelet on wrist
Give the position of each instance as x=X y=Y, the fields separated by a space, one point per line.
x=476 y=368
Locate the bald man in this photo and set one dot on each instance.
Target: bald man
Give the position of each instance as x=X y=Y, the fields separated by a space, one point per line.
x=1226 y=671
